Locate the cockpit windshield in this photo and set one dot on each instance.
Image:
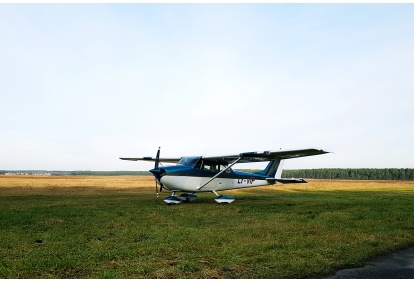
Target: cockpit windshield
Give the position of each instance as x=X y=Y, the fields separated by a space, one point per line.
x=189 y=160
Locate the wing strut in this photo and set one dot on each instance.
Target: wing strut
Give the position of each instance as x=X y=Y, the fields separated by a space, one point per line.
x=219 y=173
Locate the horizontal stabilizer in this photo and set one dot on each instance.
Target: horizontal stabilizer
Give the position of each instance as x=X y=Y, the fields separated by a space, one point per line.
x=286 y=180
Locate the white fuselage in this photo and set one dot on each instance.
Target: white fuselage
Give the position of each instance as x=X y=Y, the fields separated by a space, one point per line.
x=191 y=183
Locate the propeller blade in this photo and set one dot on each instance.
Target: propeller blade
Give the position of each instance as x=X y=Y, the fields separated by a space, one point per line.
x=157 y=159
x=157 y=163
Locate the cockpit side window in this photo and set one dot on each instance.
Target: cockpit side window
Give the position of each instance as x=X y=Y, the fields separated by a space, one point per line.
x=199 y=164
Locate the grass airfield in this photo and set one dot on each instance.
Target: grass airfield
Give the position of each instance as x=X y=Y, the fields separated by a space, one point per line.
x=115 y=227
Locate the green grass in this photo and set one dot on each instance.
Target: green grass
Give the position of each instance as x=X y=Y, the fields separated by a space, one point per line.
x=294 y=231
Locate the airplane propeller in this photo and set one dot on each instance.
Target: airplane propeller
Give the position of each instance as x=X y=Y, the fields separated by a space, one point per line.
x=157 y=159
x=157 y=172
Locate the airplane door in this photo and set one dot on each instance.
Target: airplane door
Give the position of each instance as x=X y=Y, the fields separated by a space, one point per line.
x=192 y=183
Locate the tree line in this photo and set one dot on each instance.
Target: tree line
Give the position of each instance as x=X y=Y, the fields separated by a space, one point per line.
x=352 y=174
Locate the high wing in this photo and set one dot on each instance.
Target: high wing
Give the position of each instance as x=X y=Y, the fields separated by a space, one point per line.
x=261 y=156
x=166 y=160
x=245 y=157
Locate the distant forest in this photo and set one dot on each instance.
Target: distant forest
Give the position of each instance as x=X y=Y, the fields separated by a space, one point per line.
x=331 y=173
x=402 y=174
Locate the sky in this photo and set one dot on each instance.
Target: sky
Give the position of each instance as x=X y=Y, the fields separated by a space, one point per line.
x=84 y=84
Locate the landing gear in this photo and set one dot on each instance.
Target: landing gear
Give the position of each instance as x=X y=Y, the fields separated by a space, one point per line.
x=223 y=199
x=172 y=199
x=192 y=197
x=188 y=197
x=185 y=197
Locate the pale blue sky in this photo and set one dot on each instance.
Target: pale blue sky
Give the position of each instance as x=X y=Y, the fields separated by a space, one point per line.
x=81 y=85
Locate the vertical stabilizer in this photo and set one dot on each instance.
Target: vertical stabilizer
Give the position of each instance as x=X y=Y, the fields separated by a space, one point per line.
x=279 y=170
x=274 y=168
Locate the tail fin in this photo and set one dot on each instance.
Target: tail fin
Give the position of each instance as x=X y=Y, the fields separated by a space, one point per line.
x=274 y=172
x=273 y=169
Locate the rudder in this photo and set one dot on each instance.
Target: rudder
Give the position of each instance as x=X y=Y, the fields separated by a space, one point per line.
x=273 y=169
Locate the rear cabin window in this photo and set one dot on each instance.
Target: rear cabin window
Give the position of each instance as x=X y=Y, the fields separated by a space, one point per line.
x=215 y=168
x=211 y=168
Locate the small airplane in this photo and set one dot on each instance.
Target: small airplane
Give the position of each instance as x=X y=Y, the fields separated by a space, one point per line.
x=196 y=174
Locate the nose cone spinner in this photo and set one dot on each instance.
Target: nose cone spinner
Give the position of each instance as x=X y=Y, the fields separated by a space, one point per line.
x=157 y=171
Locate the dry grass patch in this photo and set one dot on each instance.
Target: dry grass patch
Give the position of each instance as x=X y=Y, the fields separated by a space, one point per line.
x=23 y=185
